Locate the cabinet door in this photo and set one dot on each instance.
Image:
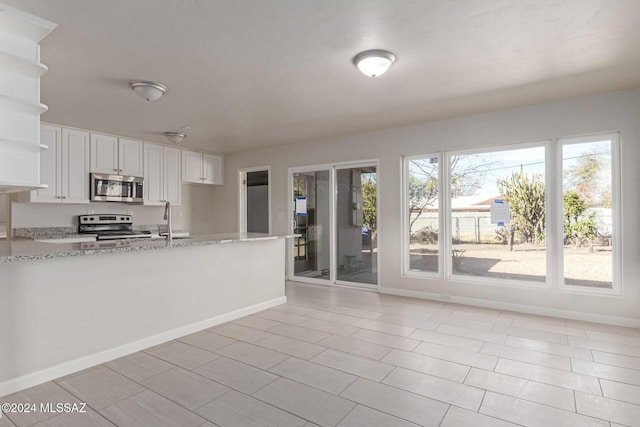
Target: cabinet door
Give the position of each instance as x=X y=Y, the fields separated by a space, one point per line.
x=153 y=174
x=191 y=166
x=104 y=154
x=74 y=166
x=130 y=157
x=172 y=177
x=49 y=165
x=212 y=169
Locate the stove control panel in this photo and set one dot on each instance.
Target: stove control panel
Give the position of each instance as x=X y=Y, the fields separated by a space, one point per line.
x=106 y=219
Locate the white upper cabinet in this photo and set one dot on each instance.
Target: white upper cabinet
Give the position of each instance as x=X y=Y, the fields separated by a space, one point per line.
x=64 y=167
x=202 y=168
x=172 y=175
x=130 y=157
x=75 y=166
x=191 y=166
x=161 y=175
x=116 y=156
x=212 y=169
x=104 y=154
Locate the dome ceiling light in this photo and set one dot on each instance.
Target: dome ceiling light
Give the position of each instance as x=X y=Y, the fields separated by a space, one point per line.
x=148 y=90
x=175 y=137
x=375 y=62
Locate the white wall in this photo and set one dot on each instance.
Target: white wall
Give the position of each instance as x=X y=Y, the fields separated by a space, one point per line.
x=194 y=213
x=611 y=112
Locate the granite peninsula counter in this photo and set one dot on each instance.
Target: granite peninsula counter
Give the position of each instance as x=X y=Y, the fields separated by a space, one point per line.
x=29 y=249
x=64 y=308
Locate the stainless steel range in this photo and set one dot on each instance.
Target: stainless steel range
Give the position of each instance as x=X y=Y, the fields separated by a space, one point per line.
x=110 y=227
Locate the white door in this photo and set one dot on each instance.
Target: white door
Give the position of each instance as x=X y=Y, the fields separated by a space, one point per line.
x=191 y=166
x=75 y=166
x=153 y=174
x=130 y=157
x=172 y=177
x=104 y=154
x=212 y=169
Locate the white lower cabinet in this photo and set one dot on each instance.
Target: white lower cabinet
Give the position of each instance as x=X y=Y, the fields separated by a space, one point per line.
x=202 y=168
x=162 y=177
x=64 y=167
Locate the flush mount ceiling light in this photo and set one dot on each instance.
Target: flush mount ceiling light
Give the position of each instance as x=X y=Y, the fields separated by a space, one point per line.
x=374 y=62
x=175 y=137
x=148 y=90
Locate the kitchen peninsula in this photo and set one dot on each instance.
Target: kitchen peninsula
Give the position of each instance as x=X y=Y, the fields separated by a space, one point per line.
x=64 y=308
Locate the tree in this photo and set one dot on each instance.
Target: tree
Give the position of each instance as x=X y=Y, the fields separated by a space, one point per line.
x=577 y=227
x=584 y=177
x=369 y=200
x=526 y=202
x=423 y=187
x=468 y=173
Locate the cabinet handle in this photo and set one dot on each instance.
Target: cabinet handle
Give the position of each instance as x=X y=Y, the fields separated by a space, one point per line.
x=115 y=170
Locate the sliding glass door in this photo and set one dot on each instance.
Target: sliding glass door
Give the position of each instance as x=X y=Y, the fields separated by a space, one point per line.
x=356 y=225
x=311 y=213
x=334 y=212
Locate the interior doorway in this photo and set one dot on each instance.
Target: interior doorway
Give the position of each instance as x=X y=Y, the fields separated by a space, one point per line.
x=255 y=200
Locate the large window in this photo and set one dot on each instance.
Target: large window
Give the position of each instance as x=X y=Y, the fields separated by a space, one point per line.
x=588 y=211
x=541 y=214
x=424 y=206
x=497 y=214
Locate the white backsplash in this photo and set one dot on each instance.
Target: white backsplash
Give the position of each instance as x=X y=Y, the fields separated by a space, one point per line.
x=194 y=214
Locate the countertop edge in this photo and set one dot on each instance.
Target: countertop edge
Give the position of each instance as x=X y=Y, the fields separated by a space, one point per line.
x=68 y=250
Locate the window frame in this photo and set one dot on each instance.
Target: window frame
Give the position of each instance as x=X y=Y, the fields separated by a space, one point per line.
x=406 y=224
x=554 y=233
x=494 y=281
x=616 y=215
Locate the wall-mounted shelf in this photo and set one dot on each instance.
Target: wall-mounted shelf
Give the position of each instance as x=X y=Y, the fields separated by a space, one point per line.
x=17 y=105
x=20 y=33
x=13 y=187
x=22 y=66
x=22 y=145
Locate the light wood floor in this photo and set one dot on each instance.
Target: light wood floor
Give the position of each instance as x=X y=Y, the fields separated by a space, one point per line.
x=333 y=356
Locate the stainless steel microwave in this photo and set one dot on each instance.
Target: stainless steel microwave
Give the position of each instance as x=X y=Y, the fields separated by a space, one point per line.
x=116 y=188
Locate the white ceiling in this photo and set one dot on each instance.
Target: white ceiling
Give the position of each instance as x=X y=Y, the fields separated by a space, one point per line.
x=246 y=74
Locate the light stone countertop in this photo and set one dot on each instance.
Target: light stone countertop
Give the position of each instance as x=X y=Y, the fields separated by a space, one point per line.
x=27 y=249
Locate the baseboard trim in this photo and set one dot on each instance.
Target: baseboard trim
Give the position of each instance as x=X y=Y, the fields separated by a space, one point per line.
x=66 y=368
x=521 y=308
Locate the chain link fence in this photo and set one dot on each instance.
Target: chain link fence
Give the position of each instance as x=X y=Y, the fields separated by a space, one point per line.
x=476 y=227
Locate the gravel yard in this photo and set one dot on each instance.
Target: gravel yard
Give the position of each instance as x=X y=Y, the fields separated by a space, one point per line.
x=525 y=262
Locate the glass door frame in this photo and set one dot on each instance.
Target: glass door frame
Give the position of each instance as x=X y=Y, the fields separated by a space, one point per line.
x=333 y=245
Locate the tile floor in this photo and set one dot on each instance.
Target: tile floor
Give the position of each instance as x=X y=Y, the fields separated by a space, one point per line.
x=340 y=357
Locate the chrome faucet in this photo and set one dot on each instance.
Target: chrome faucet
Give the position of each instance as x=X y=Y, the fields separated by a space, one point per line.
x=167 y=216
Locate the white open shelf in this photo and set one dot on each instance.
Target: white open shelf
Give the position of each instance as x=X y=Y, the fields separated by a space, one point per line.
x=18 y=105
x=22 y=66
x=22 y=145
